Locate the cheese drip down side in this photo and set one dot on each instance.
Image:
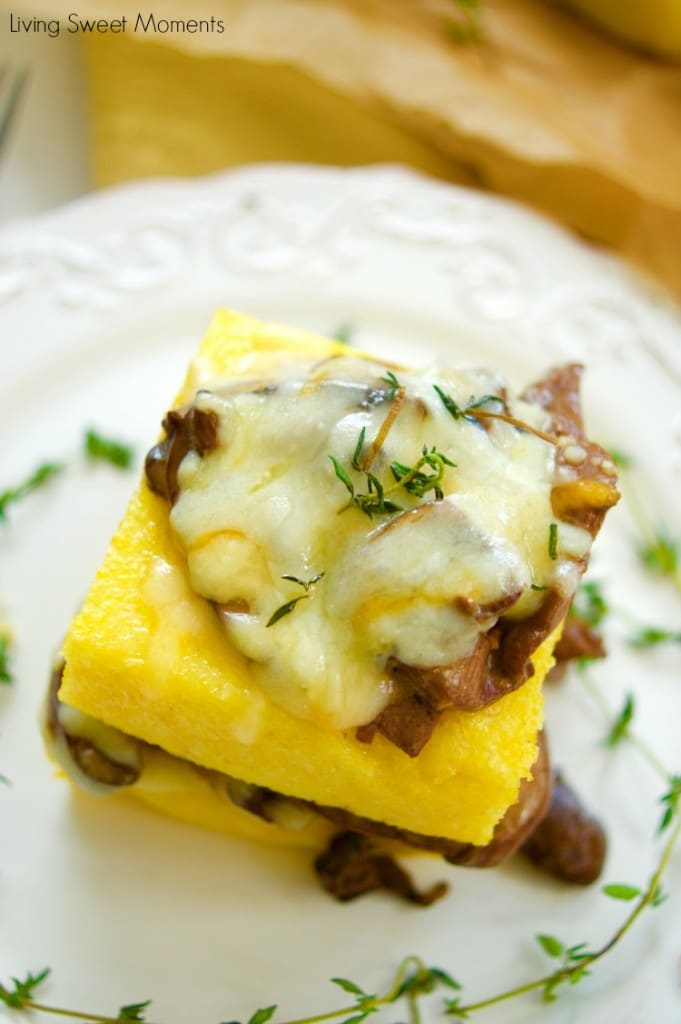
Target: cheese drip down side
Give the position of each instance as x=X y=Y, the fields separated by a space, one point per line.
x=419 y=583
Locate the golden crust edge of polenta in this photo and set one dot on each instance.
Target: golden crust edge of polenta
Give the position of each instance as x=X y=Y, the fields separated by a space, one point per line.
x=141 y=672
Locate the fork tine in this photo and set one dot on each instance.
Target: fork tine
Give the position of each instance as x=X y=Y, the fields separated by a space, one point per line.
x=12 y=102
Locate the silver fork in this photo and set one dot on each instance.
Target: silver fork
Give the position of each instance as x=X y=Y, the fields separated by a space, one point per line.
x=12 y=85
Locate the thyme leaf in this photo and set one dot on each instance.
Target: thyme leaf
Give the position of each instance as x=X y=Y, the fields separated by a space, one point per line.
x=262 y=1016
x=358 y=449
x=671 y=801
x=22 y=991
x=478 y=403
x=284 y=609
x=590 y=603
x=342 y=475
x=390 y=378
x=651 y=636
x=620 y=727
x=450 y=405
x=617 y=891
x=349 y=986
x=133 y=1011
x=40 y=476
x=5 y=672
x=473 y=411
x=468 y=411
x=622 y=459
x=305 y=584
x=553 y=541
x=105 y=449
x=551 y=945
x=659 y=897
x=287 y=608
x=661 y=553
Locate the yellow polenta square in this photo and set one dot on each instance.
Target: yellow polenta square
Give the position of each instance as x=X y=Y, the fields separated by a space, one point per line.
x=149 y=656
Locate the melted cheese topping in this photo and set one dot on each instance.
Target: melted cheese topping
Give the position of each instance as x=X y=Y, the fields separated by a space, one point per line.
x=419 y=584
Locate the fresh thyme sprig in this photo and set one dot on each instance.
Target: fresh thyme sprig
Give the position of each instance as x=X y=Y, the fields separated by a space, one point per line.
x=22 y=991
x=577 y=960
x=471 y=410
x=20 y=996
x=415 y=480
x=590 y=603
x=287 y=608
x=5 y=672
x=412 y=980
x=474 y=410
x=656 y=548
x=624 y=732
x=105 y=449
x=651 y=636
x=37 y=479
x=95 y=446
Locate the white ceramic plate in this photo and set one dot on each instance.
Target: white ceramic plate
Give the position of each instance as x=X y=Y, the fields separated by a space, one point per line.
x=101 y=305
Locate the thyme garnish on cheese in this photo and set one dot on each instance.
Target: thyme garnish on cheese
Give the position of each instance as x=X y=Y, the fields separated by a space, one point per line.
x=474 y=410
x=287 y=608
x=415 y=480
x=390 y=378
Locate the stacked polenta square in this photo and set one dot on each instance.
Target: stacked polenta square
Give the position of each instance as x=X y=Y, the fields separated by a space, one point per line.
x=148 y=656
